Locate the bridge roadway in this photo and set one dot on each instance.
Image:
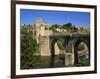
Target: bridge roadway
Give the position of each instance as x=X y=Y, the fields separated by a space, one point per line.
x=70 y=34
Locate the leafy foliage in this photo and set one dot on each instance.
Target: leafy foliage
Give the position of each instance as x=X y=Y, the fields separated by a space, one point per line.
x=68 y=27
x=29 y=48
x=83 y=61
x=81 y=47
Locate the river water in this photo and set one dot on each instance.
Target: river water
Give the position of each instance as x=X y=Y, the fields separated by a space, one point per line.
x=58 y=61
x=50 y=62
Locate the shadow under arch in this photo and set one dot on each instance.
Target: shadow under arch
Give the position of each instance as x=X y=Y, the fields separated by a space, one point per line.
x=53 y=44
x=52 y=47
x=77 y=43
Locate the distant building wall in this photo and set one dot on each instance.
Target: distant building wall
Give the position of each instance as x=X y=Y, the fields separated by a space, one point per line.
x=48 y=32
x=42 y=31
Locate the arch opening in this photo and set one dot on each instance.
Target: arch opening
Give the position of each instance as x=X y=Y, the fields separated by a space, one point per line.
x=81 y=54
x=57 y=53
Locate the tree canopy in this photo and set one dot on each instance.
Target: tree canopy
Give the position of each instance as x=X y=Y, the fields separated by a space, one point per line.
x=29 y=48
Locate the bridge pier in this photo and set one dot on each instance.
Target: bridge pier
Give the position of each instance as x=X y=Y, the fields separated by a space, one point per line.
x=44 y=46
x=69 y=59
x=69 y=56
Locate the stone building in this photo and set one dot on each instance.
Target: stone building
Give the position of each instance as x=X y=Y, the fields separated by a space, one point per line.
x=41 y=29
x=42 y=32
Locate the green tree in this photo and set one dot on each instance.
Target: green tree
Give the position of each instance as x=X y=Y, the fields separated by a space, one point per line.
x=53 y=28
x=56 y=25
x=81 y=47
x=29 y=48
x=67 y=26
x=74 y=29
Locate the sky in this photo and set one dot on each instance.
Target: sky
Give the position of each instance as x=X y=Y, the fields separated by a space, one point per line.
x=29 y=16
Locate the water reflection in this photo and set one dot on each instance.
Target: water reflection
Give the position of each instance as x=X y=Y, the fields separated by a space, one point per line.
x=56 y=61
x=50 y=62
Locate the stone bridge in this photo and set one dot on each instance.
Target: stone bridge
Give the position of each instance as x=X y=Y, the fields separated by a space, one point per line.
x=70 y=43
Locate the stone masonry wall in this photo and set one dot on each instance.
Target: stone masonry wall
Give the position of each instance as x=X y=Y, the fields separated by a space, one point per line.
x=44 y=46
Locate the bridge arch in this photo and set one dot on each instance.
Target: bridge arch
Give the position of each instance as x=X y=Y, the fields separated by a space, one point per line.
x=55 y=41
x=76 y=45
x=57 y=57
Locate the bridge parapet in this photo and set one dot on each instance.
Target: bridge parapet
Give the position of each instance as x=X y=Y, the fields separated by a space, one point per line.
x=70 y=34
